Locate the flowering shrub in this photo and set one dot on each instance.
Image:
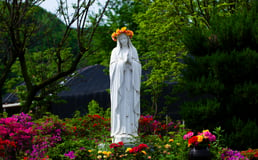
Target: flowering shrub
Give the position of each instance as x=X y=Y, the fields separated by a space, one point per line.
x=149 y=126
x=70 y=155
x=138 y=149
x=6 y=146
x=48 y=134
x=79 y=138
x=88 y=124
x=116 y=145
x=16 y=130
x=251 y=154
x=201 y=139
x=229 y=154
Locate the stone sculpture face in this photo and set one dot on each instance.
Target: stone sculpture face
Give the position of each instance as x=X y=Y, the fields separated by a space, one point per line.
x=123 y=39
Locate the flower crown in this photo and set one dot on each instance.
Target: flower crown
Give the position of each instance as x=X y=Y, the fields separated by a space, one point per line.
x=123 y=30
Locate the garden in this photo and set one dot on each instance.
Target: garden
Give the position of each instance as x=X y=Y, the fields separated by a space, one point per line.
x=24 y=137
x=202 y=52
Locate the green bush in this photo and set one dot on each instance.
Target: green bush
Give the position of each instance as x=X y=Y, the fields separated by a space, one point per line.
x=201 y=114
x=221 y=76
x=243 y=134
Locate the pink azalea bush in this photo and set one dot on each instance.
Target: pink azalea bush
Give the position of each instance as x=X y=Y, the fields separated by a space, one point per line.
x=49 y=137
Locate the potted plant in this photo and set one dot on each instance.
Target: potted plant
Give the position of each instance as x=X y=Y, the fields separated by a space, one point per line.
x=199 y=144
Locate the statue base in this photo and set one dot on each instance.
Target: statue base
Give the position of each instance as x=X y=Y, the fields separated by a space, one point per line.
x=124 y=138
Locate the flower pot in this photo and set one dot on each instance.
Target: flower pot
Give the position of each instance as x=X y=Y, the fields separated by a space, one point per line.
x=199 y=153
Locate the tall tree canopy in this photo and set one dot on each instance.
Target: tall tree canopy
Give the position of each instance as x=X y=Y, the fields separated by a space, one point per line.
x=160 y=35
x=17 y=25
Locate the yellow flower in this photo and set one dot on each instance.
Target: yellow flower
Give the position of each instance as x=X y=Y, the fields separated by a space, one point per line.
x=99 y=152
x=123 y=29
x=144 y=152
x=99 y=157
x=107 y=154
x=199 y=138
x=205 y=131
x=178 y=144
x=128 y=149
x=171 y=140
x=167 y=146
x=89 y=150
x=105 y=157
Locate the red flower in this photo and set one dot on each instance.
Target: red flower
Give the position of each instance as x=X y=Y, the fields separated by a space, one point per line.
x=142 y=146
x=96 y=116
x=121 y=143
x=115 y=145
x=94 y=125
x=138 y=148
x=192 y=140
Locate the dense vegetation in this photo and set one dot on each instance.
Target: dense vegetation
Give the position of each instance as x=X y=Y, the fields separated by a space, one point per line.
x=20 y=25
x=208 y=48
x=220 y=75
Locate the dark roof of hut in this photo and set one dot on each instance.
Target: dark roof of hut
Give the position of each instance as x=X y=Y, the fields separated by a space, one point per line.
x=89 y=80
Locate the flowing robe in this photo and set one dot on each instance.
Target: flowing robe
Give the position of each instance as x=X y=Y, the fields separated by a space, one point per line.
x=125 y=82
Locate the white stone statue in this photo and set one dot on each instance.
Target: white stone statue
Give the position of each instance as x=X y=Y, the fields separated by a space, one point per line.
x=125 y=80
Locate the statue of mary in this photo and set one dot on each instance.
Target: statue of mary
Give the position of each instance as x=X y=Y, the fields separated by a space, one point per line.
x=125 y=79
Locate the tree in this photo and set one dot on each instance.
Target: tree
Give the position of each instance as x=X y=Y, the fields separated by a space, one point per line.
x=220 y=76
x=160 y=34
x=120 y=13
x=19 y=28
x=14 y=15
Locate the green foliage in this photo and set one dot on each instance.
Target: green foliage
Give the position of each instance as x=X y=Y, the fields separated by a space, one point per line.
x=201 y=114
x=119 y=14
x=221 y=69
x=3 y=114
x=31 y=24
x=158 y=46
x=41 y=66
x=81 y=145
x=168 y=147
x=218 y=145
x=160 y=35
x=243 y=134
x=94 y=108
x=41 y=56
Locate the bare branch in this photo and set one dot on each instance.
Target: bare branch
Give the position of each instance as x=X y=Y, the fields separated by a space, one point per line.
x=98 y=21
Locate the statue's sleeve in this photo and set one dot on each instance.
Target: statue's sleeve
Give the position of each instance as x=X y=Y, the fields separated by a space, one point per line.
x=137 y=71
x=116 y=69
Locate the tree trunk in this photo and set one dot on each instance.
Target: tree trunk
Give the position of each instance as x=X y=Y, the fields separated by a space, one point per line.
x=28 y=101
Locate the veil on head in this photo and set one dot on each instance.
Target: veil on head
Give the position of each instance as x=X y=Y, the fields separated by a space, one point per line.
x=130 y=45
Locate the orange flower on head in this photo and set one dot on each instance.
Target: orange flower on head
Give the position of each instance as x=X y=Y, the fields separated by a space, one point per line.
x=129 y=33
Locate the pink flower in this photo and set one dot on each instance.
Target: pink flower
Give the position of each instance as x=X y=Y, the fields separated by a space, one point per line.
x=70 y=155
x=188 y=135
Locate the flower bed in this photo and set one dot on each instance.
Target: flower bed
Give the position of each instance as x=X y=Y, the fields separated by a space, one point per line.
x=49 y=137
